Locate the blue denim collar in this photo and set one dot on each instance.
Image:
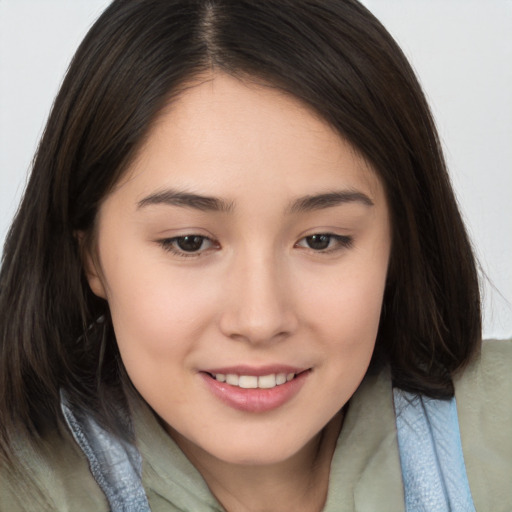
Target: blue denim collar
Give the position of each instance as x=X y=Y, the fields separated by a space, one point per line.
x=433 y=469
x=115 y=464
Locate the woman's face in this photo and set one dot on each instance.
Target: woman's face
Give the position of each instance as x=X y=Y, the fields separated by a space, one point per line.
x=247 y=243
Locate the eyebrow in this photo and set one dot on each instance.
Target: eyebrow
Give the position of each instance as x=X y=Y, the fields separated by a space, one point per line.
x=303 y=204
x=187 y=200
x=328 y=200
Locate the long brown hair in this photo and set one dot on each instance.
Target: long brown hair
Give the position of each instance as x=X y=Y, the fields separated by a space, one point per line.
x=331 y=54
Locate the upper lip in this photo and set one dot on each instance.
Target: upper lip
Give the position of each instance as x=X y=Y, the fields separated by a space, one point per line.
x=255 y=371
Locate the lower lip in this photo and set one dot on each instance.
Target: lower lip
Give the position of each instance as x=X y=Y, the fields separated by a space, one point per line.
x=256 y=399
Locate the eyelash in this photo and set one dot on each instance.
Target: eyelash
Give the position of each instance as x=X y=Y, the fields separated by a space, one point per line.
x=341 y=242
x=171 y=244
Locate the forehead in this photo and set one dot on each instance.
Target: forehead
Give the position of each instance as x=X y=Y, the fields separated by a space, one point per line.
x=222 y=130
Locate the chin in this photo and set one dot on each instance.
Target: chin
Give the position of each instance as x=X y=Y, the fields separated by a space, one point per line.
x=256 y=452
x=256 y=457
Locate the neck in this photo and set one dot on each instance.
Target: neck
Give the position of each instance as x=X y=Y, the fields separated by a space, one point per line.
x=299 y=483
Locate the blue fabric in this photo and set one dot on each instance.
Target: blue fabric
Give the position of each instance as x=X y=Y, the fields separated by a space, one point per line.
x=433 y=469
x=115 y=464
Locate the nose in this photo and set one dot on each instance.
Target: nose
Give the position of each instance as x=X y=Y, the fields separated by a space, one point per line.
x=259 y=304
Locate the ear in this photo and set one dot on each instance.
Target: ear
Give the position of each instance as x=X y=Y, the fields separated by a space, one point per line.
x=90 y=262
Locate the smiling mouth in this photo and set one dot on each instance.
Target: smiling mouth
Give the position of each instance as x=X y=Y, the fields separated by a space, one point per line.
x=252 y=381
x=268 y=381
x=255 y=390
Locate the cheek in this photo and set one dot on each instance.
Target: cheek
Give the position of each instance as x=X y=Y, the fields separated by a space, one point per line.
x=348 y=320
x=349 y=303
x=156 y=310
x=159 y=319
x=358 y=307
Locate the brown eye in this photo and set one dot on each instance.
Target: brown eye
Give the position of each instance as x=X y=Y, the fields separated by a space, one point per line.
x=325 y=242
x=191 y=243
x=188 y=245
x=318 y=242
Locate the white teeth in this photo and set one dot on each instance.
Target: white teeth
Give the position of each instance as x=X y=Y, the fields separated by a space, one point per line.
x=232 y=379
x=267 y=381
x=248 y=381
x=252 y=382
x=280 y=378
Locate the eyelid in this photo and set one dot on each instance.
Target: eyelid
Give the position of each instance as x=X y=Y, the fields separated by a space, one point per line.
x=169 y=244
x=343 y=242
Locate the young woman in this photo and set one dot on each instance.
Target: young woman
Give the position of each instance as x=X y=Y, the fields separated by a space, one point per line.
x=238 y=279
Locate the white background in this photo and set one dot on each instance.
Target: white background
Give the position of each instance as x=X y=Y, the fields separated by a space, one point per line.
x=461 y=49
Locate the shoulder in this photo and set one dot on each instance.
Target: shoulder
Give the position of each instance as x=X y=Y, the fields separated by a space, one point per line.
x=492 y=363
x=52 y=477
x=484 y=406
x=486 y=384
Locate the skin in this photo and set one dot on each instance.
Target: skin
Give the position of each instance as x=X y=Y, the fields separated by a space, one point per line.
x=256 y=292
